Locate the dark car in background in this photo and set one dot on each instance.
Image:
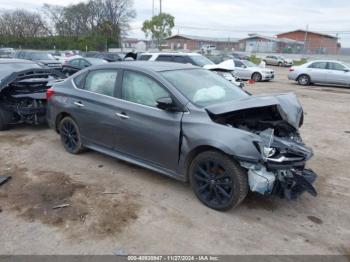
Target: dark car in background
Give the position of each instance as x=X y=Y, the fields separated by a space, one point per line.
x=76 y=64
x=44 y=58
x=110 y=57
x=188 y=123
x=23 y=86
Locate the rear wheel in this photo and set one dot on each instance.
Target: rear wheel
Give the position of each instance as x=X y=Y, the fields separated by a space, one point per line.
x=280 y=64
x=304 y=80
x=257 y=77
x=217 y=180
x=70 y=136
x=5 y=119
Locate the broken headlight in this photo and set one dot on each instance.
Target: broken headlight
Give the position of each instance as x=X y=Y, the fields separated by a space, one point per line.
x=269 y=152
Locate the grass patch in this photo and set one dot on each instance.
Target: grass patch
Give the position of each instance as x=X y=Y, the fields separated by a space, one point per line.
x=254 y=59
x=300 y=62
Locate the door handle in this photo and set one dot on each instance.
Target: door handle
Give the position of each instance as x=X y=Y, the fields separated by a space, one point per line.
x=122 y=115
x=79 y=104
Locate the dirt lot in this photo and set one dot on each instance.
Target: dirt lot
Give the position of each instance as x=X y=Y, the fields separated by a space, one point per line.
x=118 y=208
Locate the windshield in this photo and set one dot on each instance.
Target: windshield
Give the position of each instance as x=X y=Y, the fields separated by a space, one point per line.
x=200 y=60
x=203 y=87
x=249 y=64
x=42 y=56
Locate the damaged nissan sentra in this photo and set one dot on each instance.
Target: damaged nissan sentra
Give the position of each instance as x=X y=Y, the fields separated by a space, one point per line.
x=187 y=123
x=23 y=86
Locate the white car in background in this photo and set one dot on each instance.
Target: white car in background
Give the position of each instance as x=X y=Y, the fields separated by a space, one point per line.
x=194 y=59
x=246 y=70
x=321 y=72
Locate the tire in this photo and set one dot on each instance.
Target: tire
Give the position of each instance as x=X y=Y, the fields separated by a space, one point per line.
x=304 y=80
x=280 y=64
x=5 y=119
x=257 y=77
x=218 y=181
x=70 y=136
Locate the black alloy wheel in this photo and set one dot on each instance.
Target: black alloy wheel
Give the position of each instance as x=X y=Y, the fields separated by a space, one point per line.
x=217 y=180
x=70 y=136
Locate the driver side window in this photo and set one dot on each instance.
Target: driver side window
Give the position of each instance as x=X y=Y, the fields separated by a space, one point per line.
x=141 y=89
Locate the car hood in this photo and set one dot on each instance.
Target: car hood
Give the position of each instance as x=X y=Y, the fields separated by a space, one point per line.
x=288 y=106
x=30 y=76
x=218 y=67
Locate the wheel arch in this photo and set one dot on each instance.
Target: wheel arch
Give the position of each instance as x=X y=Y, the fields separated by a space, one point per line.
x=198 y=150
x=59 y=118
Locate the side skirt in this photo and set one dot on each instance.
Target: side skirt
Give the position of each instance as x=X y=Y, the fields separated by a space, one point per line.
x=135 y=161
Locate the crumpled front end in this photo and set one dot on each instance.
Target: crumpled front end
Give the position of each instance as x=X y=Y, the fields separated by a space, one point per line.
x=275 y=120
x=281 y=170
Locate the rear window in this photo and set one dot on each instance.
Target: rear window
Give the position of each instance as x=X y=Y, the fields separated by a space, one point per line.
x=145 y=57
x=165 y=58
x=79 y=80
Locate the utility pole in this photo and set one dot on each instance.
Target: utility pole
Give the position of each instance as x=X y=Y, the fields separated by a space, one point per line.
x=305 y=38
x=152 y=8
x=160 y=6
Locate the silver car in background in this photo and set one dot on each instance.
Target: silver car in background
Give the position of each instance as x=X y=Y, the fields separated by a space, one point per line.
x=321 y=72
x=278 y=60
x=246 y=70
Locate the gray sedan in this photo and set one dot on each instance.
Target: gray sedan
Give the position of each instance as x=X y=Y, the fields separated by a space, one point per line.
x=321 y=72
x=187 y=123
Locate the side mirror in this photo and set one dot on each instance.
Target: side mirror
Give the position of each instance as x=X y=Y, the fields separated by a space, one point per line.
x=166 y=103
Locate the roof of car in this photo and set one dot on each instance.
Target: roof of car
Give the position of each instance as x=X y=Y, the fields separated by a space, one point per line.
x=150 y=66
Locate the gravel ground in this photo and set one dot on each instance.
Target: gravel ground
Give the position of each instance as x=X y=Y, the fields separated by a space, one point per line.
x=118 y=208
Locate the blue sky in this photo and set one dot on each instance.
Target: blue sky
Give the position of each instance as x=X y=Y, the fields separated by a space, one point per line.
x=234 y=18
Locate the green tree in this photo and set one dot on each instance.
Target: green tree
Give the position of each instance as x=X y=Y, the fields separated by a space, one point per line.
x=159 y=27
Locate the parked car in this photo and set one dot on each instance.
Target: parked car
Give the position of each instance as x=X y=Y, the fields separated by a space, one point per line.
x=41 y=57
x=278 y=60
x=188 y=123
x=184 y=58
x=226 y=73
x=191 y=58
x=110 y=57
x=23 y=86
x=240 y=55
x=321 y=72
x=76 y=64
x=7 y=52
x=246 y=70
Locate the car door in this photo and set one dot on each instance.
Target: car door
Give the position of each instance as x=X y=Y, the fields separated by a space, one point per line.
x=94 y=107
x=317 y=72
x=241 y=70
x=337 y=74
x=146 y=132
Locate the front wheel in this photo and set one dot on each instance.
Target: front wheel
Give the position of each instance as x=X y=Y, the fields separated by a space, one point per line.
x=257 y=77
x=217 y=180
x=70 y=136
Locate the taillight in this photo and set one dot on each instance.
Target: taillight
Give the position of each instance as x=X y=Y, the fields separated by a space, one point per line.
x=49 y=93
x=291 y=69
